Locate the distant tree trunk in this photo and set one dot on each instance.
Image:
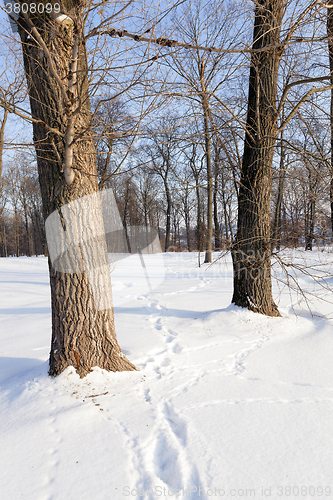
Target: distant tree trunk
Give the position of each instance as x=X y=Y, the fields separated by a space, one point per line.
x=3 y=238
x=251 y=252
x=227 y=222
x=188 y=233
x=205 y=109
x=126 y=203
x=187 y=217
x=199 y=220
x=276 y=236
x=217 y=230
x=330 y=52
x=2 y=143
x=168 y=215
x=209 y=240
x=309 y=235
x=310 y=213
x=17 y=221
x=5 y=241
x=82 y=335
x=38 y=232
x=26 y=222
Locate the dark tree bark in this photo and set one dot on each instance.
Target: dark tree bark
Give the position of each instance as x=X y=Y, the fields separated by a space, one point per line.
x=251 y=251
x=310 y=211
x=309 y=225
x=3 y=239
x=82 y=335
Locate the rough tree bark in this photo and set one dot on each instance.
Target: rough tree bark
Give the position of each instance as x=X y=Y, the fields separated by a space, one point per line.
x=251 y=250
x=82 y=335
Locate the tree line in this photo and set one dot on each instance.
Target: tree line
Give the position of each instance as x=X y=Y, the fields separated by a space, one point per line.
x=163 y=184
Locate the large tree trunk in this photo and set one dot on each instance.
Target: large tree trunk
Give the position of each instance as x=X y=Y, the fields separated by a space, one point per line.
x=82 y=335
x=251 y=251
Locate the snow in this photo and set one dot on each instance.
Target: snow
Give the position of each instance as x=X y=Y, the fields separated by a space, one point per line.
x=227 y=403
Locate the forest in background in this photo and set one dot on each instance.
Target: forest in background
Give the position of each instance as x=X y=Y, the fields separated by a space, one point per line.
x=169 y=126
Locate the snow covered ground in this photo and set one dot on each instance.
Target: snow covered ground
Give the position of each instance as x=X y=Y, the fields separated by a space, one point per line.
x=227 y=403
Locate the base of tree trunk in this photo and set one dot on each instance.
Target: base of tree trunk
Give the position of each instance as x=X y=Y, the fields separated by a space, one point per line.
x=83 y=358
x=252 y=284
x=269 y=309
x=208 y=257
x=82 y=336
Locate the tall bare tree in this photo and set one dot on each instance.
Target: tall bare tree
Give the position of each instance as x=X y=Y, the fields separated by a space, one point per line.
x=251 y=250
x=56 y=68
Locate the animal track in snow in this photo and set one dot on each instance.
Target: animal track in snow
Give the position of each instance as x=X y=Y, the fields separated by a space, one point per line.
x=166 y=462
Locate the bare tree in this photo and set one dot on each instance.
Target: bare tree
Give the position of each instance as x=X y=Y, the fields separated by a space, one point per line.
x=56 y=68
x=161 y=153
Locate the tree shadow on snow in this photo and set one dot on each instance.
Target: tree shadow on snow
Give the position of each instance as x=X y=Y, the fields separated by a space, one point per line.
x=26 y=310
x=176 y=313
x=15 y=373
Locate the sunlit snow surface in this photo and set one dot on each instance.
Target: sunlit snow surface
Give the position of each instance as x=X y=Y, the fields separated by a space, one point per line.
x=227 y=403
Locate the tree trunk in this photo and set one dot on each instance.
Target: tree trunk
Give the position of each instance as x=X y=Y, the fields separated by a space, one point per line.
x=227 y=222
x=276 y=236
x=199 y=221
x=188 y=232
x=82 y=335
x=126 y=202
x=251 y=251
x=187 y=217
x=217 y=230
x=310 y=213
x=330 y=53
x=208 y=256
x=27 y=232
x=309 y=237
x=2 y=135
x=5 y=241
x=17 y=232
x=168 y=215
